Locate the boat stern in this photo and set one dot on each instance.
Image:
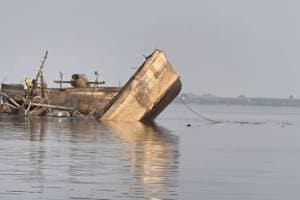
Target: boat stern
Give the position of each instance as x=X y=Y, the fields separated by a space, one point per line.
x=147 y=93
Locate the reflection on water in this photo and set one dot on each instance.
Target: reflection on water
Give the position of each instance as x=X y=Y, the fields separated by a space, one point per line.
x=35 y=128
x=52 y=158
x=153 y=157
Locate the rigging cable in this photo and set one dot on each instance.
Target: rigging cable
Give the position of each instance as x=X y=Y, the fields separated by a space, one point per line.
x=196 y=113
x=215 y=121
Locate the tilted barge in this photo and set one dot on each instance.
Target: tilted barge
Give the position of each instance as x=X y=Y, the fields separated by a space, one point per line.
x=146 y=94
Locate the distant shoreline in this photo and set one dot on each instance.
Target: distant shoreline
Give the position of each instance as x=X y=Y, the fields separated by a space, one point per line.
x=241 y=100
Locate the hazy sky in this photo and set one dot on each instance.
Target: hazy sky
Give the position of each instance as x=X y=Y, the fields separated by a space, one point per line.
x=223 y=47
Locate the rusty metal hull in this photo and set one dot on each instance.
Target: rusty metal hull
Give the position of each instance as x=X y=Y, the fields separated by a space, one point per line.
x=147 y=93
x=85 y=100
x=13 y=90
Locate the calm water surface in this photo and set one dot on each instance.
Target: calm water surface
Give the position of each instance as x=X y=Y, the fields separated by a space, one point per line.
x=54 y=158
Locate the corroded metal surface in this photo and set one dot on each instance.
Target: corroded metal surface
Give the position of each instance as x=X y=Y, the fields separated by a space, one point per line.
x=85 y=100
x=147 y=93
x=12 y=89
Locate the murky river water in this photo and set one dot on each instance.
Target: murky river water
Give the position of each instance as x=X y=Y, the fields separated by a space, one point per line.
x=54 y=158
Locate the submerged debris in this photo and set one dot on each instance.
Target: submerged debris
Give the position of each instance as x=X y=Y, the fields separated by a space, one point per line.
x=35 y=106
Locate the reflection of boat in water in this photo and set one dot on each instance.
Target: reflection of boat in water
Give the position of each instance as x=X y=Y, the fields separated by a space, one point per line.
x=147 y=93
x=137 y=160
x=152 y=153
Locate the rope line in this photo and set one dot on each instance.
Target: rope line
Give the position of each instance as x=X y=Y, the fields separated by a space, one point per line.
x=215 y=121
x=197 y=114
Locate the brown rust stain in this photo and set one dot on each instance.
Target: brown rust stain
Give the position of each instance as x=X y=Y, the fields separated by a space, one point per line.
x=140 y=98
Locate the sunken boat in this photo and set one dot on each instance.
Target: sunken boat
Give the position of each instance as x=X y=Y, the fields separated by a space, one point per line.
x=147 y=93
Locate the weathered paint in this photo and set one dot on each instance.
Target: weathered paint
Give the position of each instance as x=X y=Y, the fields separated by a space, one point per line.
x=147 y=93
x=85 y=100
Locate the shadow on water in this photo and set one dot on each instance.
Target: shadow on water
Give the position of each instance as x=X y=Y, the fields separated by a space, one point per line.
x=70 y=158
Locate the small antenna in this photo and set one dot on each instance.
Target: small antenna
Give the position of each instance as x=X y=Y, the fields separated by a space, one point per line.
x=97 y=77
x=61 y=79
